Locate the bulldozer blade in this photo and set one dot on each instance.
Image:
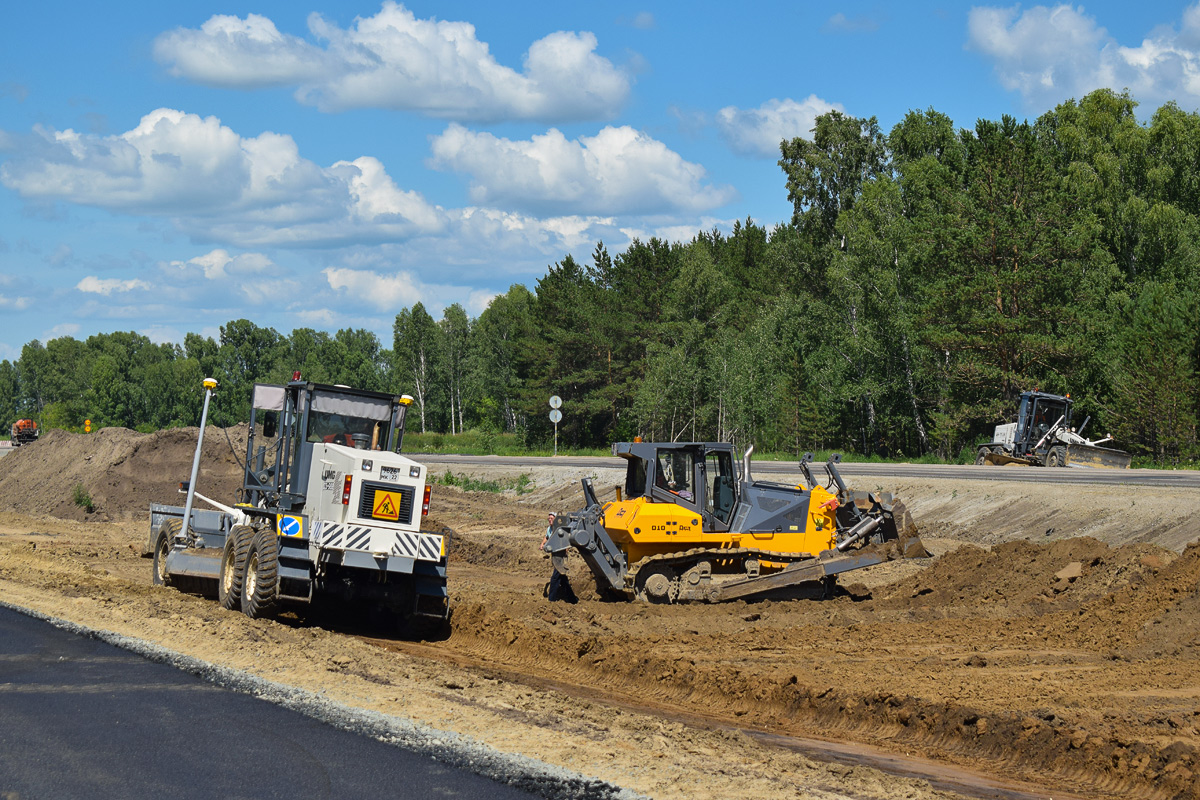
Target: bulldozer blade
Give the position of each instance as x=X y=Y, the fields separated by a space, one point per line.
x=1083 y=455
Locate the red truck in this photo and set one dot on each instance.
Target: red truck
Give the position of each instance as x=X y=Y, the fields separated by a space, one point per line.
x=24 y=431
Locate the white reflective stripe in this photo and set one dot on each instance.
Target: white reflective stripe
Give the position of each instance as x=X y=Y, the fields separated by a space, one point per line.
x=407 y=544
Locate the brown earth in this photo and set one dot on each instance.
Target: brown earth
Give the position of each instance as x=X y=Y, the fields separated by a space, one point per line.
x=1024 y=650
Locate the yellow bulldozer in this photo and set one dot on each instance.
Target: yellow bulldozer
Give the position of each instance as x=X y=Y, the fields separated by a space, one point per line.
x=689 y=526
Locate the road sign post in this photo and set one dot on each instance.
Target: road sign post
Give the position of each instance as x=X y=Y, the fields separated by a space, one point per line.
x=555 y=417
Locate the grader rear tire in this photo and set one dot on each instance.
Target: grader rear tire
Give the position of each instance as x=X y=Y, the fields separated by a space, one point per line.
x=162 y=545
x=233 y=566
x=260 y=586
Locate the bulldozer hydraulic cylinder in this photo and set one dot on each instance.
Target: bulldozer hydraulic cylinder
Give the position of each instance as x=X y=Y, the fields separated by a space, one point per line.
x=860 y=530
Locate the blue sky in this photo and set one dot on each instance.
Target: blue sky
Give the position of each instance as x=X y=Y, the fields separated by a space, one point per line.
x=168 y=167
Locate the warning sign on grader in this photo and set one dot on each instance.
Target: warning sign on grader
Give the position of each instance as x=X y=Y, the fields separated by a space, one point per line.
x=387 y=506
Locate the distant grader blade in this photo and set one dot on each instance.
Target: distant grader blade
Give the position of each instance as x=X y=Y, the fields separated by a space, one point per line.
x=1083 y=455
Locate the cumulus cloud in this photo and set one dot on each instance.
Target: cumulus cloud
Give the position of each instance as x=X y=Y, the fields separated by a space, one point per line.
x=758 y=131
x=235 y=53
x=219 y=265
x=617 y=171
x=394 y=60
x=391 y=291
x=106 y=286
x=216 y=184
x=397 y=290
x=1049 y=54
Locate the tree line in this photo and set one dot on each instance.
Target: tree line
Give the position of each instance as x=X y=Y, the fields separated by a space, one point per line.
x=927 y=277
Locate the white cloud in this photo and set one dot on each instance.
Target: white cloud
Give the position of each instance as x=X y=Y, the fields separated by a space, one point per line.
x=61 y=330
x=318 y=318
x=15 y=303
x=679 y=233
x=1050 y=54
x=391 y=291
x=394 y=60
x=758 y=131
x=840 y=23
x=218 y=185
x=239 y=53
x=219 y=265
x=617 y=171
x=162 y=334
x=395 y=291
x=106 y=286
x=642 y=21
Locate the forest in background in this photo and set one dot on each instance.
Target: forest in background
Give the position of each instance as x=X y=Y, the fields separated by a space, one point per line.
x=927 y=277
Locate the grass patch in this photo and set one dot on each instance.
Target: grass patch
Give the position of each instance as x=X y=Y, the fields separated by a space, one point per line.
x=522 y=484
x=82 y=498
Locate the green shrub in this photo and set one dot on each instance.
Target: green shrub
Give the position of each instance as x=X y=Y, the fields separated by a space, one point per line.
x=82 y=498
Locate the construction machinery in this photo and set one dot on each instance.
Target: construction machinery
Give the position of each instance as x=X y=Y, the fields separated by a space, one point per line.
x=328 y=510
x=688 y=525
x=24 y=431
x=1044 y=435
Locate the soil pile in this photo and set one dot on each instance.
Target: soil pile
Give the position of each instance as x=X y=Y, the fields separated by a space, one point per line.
x=123 y=471
x=1018 y=574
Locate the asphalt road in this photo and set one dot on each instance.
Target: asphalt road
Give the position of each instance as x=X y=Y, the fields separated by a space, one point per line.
x=1183 y=479
x=83 y=718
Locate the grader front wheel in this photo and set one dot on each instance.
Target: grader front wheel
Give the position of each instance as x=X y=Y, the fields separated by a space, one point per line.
x=233 y=566
x=260 y=587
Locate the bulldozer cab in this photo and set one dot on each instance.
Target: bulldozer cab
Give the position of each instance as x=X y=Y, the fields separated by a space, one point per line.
x=1038 y=413
x=693 y=475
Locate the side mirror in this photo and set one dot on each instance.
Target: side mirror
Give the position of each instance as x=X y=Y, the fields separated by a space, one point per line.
x=270 y=424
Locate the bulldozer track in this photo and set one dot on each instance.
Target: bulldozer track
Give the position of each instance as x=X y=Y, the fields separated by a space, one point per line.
x=689 y=559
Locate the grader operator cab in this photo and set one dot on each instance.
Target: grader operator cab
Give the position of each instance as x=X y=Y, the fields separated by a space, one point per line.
x=687 y=526
x=328 y=510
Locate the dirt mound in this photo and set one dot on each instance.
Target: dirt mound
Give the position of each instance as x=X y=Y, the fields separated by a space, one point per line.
x=123 y=471
x=1157 y=618
x=1022 y=573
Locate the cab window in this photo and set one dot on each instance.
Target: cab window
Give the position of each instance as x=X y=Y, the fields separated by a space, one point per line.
x=674 y=472
x=719 y=474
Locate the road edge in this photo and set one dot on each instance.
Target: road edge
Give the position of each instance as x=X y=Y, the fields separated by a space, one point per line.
x=447 y=747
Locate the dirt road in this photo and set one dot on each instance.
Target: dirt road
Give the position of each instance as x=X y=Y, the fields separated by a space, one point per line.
x=1053 y=639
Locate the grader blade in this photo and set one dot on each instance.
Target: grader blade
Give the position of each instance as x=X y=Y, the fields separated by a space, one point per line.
x=1082 y=455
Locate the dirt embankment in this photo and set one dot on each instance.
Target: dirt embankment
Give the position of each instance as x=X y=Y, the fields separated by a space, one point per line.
x=1021 y=650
